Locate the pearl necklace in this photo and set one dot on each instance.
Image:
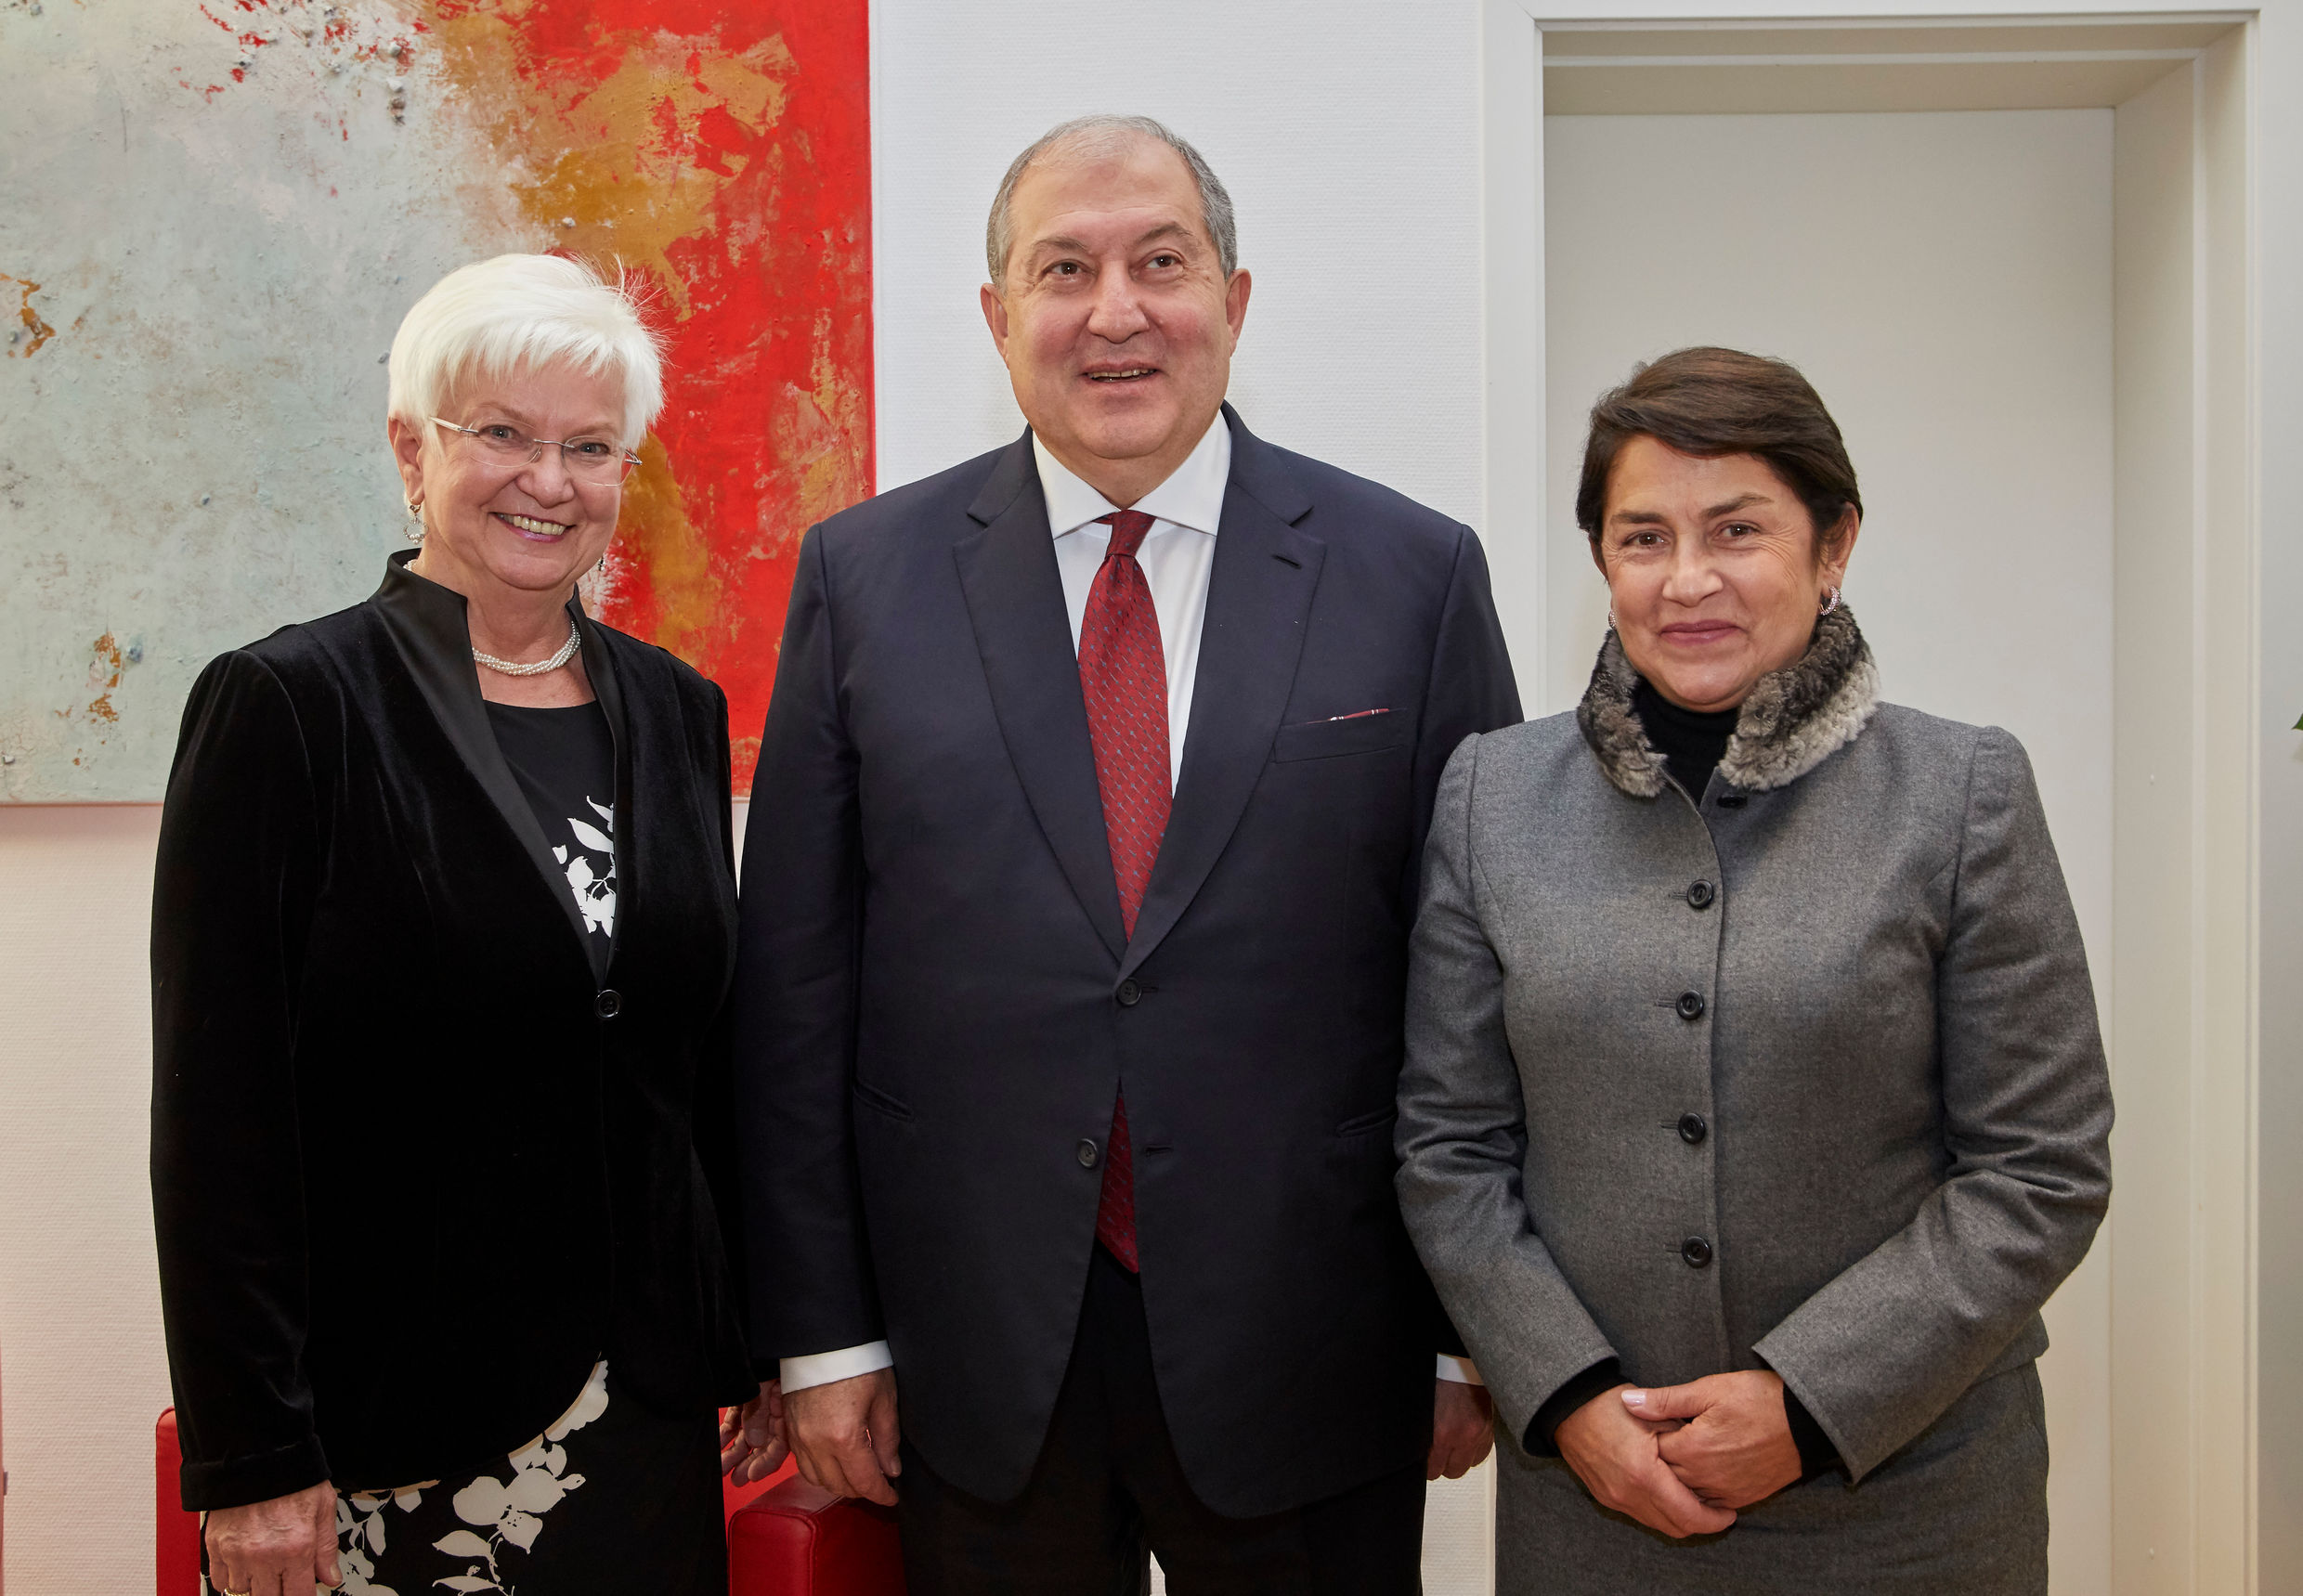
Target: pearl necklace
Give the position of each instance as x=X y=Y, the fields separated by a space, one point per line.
x=543 y=667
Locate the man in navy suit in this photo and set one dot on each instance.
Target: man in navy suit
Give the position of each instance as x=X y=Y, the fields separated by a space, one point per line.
x=1080 y=867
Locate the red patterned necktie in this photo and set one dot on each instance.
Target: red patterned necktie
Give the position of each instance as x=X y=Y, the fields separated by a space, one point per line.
x=1123 y=679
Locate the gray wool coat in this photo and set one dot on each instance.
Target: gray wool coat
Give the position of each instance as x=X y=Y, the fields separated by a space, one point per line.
x=1855 y=957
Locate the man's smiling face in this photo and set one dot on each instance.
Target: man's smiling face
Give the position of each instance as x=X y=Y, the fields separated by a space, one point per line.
x=1114 y=315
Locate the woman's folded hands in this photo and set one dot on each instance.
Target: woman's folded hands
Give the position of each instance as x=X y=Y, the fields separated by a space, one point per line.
x=1729 y=1439
x=1683 y=1460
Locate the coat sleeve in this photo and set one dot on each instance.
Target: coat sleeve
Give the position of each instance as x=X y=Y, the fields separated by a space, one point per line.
x=1470 y=686
x=1884 y=1348
x=811 y=1280
x=1469 y=689
x=1463 y=1136
x=232 y=899
x=714 y=1135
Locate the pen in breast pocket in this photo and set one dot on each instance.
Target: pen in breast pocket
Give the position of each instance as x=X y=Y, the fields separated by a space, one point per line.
x=1358 y=715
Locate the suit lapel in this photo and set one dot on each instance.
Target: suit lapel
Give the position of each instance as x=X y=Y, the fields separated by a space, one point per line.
x=600 y=667
x=427 y=626
x=1015 y=603
x=1259 y=595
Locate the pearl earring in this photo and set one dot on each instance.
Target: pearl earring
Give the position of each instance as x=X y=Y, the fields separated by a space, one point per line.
x=415 y=519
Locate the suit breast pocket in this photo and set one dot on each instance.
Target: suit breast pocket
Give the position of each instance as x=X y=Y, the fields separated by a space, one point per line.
x=1364 y=733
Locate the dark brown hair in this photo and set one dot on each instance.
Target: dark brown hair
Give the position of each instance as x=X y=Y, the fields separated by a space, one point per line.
x=1709 y=401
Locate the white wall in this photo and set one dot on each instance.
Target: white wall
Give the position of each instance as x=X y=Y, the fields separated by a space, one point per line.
x=79 y=1289
x=1348 y=135
x=1945 y=280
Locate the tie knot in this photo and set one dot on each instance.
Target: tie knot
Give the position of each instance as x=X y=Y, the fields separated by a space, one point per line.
x=1128 y=527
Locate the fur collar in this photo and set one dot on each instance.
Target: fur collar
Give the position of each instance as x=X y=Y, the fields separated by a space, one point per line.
x=1793 y=720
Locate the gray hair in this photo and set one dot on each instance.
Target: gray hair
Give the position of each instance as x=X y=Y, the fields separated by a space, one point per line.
x=1102 y=135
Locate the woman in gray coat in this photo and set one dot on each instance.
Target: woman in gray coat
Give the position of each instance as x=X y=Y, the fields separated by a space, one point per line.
x=1754 y=1100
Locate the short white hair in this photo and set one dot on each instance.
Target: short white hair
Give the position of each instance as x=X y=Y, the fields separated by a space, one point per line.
x=515 y=312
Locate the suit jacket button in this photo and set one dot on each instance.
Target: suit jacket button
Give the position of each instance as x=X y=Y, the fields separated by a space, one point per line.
x=1129 y=993
x=609 y=1004
x=1692 y=1130
x=1694 y=1251
x=1700 y=896
x=1089 y=1154
x=1690 y=1005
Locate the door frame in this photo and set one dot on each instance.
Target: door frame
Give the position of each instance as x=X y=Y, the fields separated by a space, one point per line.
x=2182 y=1019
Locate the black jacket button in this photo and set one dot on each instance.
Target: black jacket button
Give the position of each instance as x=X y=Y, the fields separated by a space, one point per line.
x=1692 y=1130
x=1690 y=1005
x=1700 y=896
x=1129 y=993
x=609 y=1004
x=1089 y=1154
x=1696 y=1252
x=1734 y=800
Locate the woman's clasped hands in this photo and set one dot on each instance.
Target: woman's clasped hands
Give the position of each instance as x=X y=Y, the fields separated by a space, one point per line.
x=1684 y=1460
x=752 y=1442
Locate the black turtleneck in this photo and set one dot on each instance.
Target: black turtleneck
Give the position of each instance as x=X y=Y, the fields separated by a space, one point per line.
x=1690 y=741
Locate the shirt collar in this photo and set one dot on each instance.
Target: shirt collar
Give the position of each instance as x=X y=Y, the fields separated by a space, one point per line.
x=1192 y=495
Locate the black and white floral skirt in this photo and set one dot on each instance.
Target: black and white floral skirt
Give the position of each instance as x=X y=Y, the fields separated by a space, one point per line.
x=611 y=1500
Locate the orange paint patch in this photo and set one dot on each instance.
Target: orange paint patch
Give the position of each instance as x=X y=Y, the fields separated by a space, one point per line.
x=41 y=331
x=105 y=671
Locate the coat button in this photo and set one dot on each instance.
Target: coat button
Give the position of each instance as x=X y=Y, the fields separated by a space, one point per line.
x=608 y=1004
x=1734 y=800
x=1700 y=896
x=1692 y=1130
x=1696 y=1252
x=1129 y=993
x=1690 y=1005
x=1087 y=1154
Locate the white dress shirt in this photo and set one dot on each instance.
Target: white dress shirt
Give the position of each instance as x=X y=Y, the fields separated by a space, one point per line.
x=1177 y=556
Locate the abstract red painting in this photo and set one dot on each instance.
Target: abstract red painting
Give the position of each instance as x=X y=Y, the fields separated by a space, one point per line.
x=722 y=149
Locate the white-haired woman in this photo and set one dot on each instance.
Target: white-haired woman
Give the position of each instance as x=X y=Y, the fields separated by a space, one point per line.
x=442 y=932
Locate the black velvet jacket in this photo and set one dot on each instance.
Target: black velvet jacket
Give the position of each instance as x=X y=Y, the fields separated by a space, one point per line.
x=414 y=1168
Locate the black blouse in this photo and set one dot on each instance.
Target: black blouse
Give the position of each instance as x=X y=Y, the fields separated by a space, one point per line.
x=417 y=1163
x=565 y=761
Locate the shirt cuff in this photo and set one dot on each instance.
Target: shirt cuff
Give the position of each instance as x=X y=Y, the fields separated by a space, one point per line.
x=1462 y=1371
x=823 y=1368
x=1817 y=1456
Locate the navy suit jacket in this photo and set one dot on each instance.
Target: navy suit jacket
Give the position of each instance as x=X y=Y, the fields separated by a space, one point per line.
x=937 y=1007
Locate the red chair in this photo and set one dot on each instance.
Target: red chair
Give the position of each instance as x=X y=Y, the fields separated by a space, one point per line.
x=798 y=1539
x=175 y=1560
x=733 y=1498
x=786 y=1537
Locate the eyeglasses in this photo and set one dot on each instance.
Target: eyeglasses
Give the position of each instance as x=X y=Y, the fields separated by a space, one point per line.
x=503 y=447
